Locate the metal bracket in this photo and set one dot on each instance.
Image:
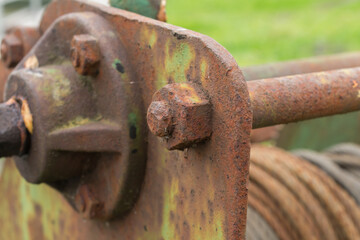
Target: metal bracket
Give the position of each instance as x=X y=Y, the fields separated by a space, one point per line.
x=201 y=191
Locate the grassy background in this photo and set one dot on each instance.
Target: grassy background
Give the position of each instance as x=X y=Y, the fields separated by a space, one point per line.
x=261 y=31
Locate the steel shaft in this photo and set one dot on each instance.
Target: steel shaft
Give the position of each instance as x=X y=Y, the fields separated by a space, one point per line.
x=301 y=97
x=302 y=66
x=13 y=133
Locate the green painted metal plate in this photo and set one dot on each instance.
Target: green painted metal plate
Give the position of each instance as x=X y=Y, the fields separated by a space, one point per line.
x=149 y=8
x=321 y=133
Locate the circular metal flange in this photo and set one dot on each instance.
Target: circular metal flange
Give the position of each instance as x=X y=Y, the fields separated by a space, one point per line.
x=88 y=138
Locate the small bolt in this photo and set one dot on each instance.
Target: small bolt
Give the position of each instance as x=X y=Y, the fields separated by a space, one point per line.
x=85 y=54
x=159 y=118
x=12 y=50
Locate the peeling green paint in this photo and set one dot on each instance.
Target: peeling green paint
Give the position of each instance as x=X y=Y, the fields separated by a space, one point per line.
x=36 y=207
x=321 y=133
x=134 y=124
x=120 y=68
x=80 y=120
x=168 y=230
x=176 y=64
x=152 y=39
x=133 y=118
x=57 y=87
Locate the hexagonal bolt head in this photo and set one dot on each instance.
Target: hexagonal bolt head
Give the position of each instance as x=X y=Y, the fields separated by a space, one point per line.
x=181 y=114
x=12 y=50
x=85 y=54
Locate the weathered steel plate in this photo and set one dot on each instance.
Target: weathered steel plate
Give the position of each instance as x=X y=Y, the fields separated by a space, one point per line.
x=199 y=193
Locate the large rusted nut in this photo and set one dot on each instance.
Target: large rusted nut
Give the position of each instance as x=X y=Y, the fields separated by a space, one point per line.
x=85 y=54
x=12 y=50
x=181 y=113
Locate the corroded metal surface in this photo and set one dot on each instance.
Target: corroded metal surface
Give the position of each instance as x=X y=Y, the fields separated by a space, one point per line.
x=69 y=110
x=11 y=50
x=85 y=54
x=329 y=129
x=200 y=192
x=300 y=97
x=186 y=111
x=88 y=83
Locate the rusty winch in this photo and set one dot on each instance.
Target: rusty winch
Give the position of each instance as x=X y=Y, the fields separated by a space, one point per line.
x=142 y=127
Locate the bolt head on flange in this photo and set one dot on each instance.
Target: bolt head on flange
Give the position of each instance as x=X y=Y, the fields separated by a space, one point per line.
x=181 y=114
x=12 y=50
x=85 y=54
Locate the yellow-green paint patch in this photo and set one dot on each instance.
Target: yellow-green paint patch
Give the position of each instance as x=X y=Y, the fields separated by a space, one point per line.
x=134 y=126
x=177 y=62
x=152 y=39
x=168 y=230
x=33 y=210
x=149 y=37
x=193 y=96
x=57 y=86
x=80 y=120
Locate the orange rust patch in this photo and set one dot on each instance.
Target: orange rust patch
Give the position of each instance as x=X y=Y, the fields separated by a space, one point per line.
x=27 y=116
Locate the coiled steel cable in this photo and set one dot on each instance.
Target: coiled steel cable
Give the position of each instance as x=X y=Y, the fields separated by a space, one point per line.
x=347 y=156
x=343 y=178
x=255 y=222
x=297 y=199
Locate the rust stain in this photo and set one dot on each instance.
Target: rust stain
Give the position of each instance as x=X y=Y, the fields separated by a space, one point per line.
x=27 y=116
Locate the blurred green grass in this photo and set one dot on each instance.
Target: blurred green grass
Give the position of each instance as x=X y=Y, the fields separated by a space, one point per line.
x=262 y=31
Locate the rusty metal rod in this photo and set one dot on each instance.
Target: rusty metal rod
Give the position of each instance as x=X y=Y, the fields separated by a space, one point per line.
x=302 y=66
x=300 y=97
x=13 y=133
